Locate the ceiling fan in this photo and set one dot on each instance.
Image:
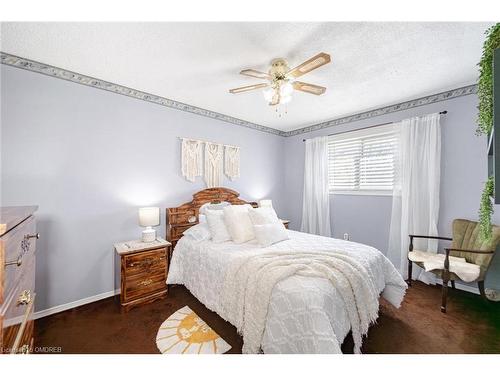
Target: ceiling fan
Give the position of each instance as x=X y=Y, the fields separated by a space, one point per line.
x=281 y=79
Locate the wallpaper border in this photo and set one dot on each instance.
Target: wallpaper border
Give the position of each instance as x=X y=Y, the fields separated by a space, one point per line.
x=455 y=93
x=52 y=71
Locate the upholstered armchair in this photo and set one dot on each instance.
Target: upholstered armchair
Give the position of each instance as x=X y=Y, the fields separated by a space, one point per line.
x=468 y=256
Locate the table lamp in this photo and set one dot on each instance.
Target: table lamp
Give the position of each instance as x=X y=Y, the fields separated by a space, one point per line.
x=149 y=217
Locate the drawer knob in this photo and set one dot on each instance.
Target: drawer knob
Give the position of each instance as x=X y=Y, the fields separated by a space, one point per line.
x=16 y=262
x=29 y=236
x=146 y=282
x=24 y=297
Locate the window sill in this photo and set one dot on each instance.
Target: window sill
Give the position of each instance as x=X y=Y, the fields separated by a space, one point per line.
x=386 y=193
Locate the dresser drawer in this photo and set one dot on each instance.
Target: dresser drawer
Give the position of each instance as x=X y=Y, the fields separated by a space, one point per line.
x=15 y=302
x=18 y=338
x=18 y=252
x=143 y=285
x=145 y=262
x=17 y=311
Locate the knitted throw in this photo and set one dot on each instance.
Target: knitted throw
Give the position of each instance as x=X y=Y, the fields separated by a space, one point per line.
x=249 y=283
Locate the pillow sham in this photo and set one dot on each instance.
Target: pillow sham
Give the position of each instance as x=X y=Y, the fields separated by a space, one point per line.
x=238 y=222
x=268 y=234
x=212 y=206
x=263 y=215
x=217 y=226
x=198 y=232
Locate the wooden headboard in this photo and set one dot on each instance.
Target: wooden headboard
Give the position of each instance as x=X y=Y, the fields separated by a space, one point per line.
x=178 y=217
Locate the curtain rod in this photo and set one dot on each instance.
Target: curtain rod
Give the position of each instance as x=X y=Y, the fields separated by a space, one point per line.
x=371 y=126
x=203 y=141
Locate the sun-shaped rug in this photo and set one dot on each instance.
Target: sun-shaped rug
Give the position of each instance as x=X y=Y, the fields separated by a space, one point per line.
x=184 y=332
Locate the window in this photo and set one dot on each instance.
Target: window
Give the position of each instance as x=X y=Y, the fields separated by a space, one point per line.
x=362 y=161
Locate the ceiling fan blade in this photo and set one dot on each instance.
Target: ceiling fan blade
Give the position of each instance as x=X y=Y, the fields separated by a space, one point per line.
x=248 y=88
x=255 y=74
x=309 y=88
x=313 y=63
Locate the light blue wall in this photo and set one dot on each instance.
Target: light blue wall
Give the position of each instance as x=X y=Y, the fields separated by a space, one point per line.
x=367 y=218
x=89 y=158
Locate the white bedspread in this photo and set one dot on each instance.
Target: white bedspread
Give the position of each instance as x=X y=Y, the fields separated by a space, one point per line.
x=305 y=315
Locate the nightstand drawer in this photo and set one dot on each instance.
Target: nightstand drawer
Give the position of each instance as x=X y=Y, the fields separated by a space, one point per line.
x=144 y=284
x=145 y=262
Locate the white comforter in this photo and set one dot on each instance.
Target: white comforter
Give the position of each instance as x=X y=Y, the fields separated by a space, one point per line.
x=305 y=315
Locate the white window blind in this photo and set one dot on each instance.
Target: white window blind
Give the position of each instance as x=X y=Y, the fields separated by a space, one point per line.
x=362 y=161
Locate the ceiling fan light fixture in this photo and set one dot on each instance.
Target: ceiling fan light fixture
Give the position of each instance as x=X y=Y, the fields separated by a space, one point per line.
x=268 y=94
x=286 y=88
x=286 y=99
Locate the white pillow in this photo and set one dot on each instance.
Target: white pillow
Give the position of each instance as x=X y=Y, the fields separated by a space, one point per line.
x=268 y=234
x=217 y=227
x=198 y=232
x=238 y=223
x=212 y=206
x=263 y=215
x=202 y=218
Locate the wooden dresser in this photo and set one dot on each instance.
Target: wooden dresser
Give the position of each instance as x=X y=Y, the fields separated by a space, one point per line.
x=17 y=278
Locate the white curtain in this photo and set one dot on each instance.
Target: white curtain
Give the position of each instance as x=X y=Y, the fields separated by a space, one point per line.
x=415 y=205
x=316 y=201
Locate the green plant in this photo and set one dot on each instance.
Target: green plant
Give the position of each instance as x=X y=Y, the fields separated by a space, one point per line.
x=485 y=120
x=485 y=84
x=486 y=210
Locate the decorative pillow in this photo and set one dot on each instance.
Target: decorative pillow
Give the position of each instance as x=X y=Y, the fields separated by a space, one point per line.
x=198 y=232
x=268 y=234
x=263 y=215
x=217 y=227
x=212 y=206
x=238 y=222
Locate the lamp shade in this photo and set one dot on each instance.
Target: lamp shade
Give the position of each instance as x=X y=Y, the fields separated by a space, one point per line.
x=266 y=203
x=149 y=216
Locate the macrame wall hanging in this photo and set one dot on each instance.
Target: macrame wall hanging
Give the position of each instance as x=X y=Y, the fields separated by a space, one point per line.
x=191 y=159
x=213 y=164
x=219 y=160
x=232 y=162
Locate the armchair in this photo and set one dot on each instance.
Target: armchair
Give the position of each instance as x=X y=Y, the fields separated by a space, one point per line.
x=467 y=247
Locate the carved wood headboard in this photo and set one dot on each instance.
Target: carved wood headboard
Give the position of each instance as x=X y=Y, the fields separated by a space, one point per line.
x=178 y=217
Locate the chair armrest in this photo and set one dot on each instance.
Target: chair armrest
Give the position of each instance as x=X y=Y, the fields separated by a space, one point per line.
x=412 y=236
x=431 y=237
x=447 y=258
x=469 y=251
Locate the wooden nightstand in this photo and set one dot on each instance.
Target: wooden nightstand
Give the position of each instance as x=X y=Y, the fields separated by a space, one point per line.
x=144 y=268
x=285 y=223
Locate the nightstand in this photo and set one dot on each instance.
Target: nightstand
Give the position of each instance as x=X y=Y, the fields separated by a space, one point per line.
x=143 y=271
x=285 y=223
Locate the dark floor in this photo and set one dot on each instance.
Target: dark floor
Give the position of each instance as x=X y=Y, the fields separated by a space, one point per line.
x=470 y=326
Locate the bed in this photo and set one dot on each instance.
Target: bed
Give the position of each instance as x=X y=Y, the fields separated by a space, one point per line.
x=304 y=314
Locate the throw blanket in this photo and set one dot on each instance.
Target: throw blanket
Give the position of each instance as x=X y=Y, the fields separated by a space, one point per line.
x=468 y=272
x=249 y=283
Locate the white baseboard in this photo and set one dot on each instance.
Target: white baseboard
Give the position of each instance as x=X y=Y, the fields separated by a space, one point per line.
x=71 y=305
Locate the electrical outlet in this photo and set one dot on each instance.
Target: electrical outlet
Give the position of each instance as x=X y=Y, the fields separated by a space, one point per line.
x=346 y=237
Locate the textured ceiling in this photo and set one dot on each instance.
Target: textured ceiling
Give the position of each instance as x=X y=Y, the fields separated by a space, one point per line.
x=373 y=64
